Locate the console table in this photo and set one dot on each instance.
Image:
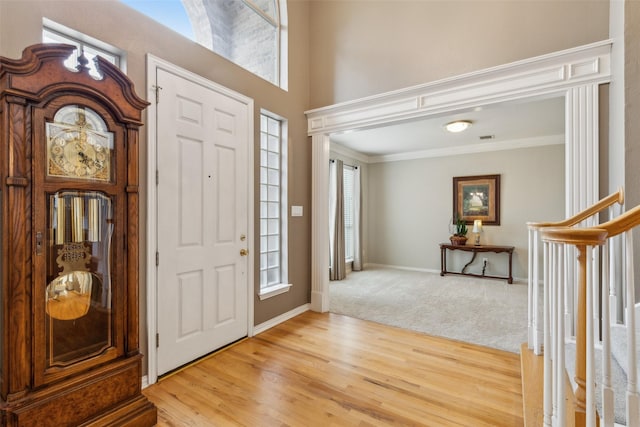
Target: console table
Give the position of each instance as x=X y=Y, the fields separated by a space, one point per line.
x=475 y=249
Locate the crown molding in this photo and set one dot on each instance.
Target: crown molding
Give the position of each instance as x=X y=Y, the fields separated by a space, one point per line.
x=470 y=149
x=546 y=74
x=348 y=152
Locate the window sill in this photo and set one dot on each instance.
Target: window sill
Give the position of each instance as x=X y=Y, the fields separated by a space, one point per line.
x=273 y=290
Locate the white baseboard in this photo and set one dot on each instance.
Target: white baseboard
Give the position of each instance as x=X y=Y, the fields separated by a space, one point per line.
x=280 y=319
x=516 y=280
x=145 y=382
x=402 y=267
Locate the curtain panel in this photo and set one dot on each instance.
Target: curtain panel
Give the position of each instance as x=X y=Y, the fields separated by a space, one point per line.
x=357 y=219
x=338 y=267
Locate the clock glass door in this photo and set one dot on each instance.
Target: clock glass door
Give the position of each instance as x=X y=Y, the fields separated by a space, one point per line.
x=78 y=293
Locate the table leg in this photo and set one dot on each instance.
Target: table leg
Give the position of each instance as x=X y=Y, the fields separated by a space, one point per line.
x=510 y=279
x=469 y=263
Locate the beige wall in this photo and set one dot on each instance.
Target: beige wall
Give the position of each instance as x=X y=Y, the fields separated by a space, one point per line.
x=632 y=101
x=118 y=25
x=361 y=48
x=632 y=115
x=410 y=205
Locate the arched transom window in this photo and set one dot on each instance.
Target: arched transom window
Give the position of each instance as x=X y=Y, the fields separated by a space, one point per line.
x=250 y=33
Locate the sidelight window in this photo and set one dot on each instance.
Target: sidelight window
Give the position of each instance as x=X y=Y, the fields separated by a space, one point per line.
x=273 y=206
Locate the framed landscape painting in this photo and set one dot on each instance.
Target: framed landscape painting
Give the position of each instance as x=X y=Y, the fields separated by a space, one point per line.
x=477 y=197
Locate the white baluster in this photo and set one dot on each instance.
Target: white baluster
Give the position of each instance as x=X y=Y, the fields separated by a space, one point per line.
x=614 y=263
x=595 y=274
x=548 y=386
x=537 y=327
x=607 y=390
x=633 y=398
x=530 y=302
x=613 y=293
x=570 y=279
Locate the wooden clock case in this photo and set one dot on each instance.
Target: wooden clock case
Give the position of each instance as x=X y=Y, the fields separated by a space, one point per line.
x=68 y=372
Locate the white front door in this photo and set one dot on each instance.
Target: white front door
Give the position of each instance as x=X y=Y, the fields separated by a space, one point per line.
x=202 y=220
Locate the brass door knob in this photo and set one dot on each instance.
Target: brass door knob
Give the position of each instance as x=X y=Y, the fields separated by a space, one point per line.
x=244 y=252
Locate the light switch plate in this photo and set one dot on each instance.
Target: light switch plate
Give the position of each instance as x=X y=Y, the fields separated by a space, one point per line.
x=296 y=210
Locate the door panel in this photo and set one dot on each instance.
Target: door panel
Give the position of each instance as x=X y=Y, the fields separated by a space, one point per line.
x=202 y=213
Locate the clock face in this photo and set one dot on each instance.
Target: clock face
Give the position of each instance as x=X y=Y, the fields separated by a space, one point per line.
x=79 y=145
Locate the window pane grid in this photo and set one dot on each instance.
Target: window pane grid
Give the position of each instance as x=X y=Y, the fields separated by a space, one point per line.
x=270 y=202
x=90 y=52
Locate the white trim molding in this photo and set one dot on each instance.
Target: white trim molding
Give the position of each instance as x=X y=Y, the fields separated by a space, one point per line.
x=280 y=319
x=574 y=74
x=348 y=152
x=273 y=290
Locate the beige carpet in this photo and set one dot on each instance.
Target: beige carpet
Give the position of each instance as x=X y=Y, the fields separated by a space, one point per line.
x=480 y=311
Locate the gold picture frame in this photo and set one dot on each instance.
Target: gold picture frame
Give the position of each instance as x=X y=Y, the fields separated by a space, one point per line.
x=477 y=197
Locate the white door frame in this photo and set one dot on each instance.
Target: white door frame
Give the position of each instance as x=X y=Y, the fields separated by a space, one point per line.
x=153 y=64
x=574 y=73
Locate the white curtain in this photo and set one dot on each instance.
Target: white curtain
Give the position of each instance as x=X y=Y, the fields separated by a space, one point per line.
x=357 y=220
x=338 y=268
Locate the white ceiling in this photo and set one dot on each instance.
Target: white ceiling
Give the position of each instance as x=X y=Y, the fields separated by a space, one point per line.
x=507 y=123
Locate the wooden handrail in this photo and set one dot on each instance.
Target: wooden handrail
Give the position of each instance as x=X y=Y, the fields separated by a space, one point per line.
x=593 y=236
x=617 y=197
x=622 y=223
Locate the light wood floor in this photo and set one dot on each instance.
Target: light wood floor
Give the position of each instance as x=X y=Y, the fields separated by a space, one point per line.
x=332 y=370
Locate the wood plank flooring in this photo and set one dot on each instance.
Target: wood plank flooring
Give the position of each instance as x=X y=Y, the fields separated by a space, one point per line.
x=532 y=368
x=332 y=370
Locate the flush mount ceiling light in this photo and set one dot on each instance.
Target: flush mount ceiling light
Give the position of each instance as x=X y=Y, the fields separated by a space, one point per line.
x=458 y=126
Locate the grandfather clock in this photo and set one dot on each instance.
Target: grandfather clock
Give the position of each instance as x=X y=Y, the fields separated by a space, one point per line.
x=69 y=233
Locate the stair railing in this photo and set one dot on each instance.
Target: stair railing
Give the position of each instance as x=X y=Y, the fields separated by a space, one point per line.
x=534 y=311
x=557 y=241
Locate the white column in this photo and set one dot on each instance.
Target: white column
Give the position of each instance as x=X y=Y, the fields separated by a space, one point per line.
x=581 y=133
x=320 y=223
x=582 y=175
